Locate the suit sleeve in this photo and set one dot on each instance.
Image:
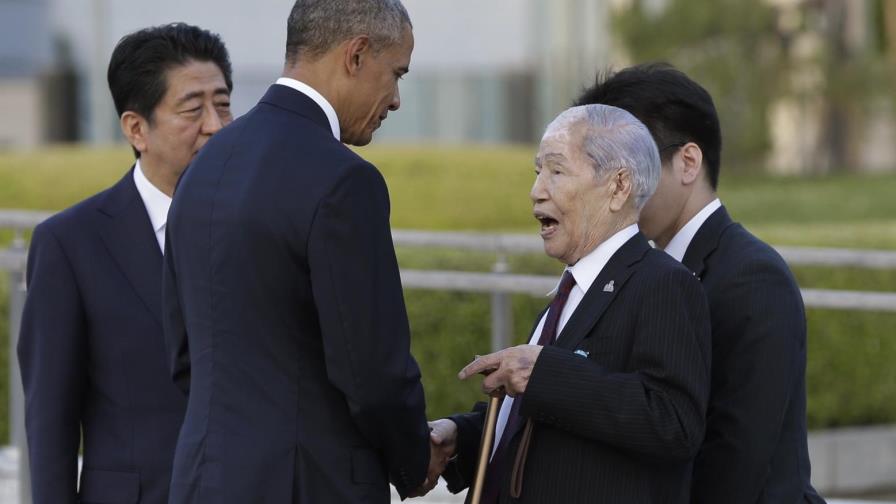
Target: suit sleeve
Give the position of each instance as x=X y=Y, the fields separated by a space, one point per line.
x=762 y=326
x=460 y=472
x=52 y=352
x=358 y=295
x=174 y=329
x=656 y=407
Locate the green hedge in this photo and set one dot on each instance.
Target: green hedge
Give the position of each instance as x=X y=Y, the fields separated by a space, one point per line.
x=851 y=376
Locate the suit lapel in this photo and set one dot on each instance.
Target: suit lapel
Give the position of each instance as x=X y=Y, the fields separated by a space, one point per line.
x=599 y=296
x=706 y=240
x=128 y=235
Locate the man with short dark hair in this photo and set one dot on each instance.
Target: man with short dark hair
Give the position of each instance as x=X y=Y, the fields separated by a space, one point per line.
x=755 y=449
x=91 y=348
x=285 y=318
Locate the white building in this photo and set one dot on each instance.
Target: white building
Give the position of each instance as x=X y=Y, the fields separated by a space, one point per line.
x=482 y=71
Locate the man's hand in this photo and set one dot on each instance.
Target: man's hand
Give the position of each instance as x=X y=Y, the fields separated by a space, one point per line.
x=443 y=437
x=507 y=370
x=442 y=442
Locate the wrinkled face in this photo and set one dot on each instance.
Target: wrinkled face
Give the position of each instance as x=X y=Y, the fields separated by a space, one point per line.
x=660 y=216
x=195 y=106
x=376 y=90
x=569 y=200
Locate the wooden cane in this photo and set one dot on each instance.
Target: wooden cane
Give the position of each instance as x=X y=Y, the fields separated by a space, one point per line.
x=485 y=447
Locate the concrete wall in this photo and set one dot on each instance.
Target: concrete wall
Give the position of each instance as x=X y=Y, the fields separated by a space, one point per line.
x=853 y=460
x=20 y=122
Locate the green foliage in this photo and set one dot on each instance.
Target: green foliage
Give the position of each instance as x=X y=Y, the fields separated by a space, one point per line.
x=53 y=179
x=850 y=378
x=850 y=373
x=728 y=47
x=748 y=54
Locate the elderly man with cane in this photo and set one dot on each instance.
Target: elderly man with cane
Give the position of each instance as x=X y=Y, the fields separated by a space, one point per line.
x=607 y=402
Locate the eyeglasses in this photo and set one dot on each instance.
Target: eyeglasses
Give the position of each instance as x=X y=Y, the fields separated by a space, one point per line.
x=675 y=145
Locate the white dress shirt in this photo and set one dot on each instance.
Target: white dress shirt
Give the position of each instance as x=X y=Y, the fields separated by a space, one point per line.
x=585 y=272
x=156 y=202
x=318 y=98
x=679 y=243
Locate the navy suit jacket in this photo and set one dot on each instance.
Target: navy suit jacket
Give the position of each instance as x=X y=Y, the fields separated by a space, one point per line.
x=285 y=320
x=621 y=421
x=755 y=450
x=92 y=355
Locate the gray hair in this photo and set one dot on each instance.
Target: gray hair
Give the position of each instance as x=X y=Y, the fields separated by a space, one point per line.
x=315 y=26
x=614 y=139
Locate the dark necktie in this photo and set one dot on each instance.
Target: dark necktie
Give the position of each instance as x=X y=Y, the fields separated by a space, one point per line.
x=501 y=459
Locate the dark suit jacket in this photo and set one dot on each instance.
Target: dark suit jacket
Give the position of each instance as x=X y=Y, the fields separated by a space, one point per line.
x=92 y=355
x=285 y=320
x=623 y=424
x=755 y=448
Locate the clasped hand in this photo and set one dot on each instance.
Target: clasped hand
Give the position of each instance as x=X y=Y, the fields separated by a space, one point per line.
x=507 y=372
x=442 y=443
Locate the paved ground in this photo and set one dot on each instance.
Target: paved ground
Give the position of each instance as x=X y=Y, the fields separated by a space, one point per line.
x=9 y=493
x=439 y=495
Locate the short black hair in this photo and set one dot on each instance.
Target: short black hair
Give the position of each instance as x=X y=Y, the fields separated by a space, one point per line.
x=674 y=108
x=137 y=68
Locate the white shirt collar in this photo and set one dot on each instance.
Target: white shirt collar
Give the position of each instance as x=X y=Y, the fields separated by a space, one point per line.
x=682 y=239
x=156 y=202
x=586 y=270
x=318 y=98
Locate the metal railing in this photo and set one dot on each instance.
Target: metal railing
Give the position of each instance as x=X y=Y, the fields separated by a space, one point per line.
x=499 y=283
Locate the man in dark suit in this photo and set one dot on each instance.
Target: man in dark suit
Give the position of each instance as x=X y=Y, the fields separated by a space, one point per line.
x=607 y=401
x=755 y=448
x=91 y=348
x=285 y=319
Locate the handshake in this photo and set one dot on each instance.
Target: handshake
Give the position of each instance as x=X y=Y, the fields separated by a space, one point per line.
x=506 y=372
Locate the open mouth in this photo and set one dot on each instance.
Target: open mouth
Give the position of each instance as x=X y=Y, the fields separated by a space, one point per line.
x=548 y=224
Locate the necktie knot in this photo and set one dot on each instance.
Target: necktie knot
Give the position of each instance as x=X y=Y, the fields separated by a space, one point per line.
x=566 y=284
x=549 y=331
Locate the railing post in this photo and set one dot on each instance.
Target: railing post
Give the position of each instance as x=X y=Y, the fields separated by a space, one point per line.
x=502 y=315
x=16 y=394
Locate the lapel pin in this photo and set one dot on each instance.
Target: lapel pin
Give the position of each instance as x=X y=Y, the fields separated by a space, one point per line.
x=581 y=353
x=609 y=287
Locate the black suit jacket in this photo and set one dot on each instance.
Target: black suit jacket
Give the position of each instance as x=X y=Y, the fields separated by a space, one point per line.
x=623 y=424
x=92 y=355
x=285 y=320
x=755 y=449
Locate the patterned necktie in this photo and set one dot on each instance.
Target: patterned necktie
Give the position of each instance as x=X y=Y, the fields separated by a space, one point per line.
x=501 y=459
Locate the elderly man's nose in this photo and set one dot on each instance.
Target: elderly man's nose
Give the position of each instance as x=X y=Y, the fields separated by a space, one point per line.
x=538 y=192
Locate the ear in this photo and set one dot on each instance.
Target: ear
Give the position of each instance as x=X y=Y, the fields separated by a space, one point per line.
x=692 y=162
x=621 y=189
x=135 y=129
x=355 y=53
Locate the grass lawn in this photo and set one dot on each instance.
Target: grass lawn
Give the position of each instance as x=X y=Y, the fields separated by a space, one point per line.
x=851 y=377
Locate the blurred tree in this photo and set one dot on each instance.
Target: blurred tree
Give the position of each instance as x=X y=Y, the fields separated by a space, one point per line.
x=887 y=38
x=826 y=59
x=728 y=46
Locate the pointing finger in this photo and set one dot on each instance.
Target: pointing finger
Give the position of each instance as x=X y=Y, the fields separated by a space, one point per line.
x=484 y=363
